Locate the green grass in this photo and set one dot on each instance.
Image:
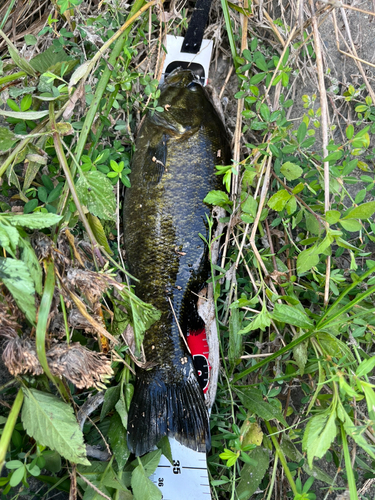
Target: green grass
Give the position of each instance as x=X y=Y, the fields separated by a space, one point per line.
x=293 y=292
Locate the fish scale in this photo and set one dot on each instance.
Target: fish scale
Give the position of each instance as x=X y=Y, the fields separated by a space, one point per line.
x=172 y=171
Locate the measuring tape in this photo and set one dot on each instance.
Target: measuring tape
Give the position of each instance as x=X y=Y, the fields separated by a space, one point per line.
x=186 y=478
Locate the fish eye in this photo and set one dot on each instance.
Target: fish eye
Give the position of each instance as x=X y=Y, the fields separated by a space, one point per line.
x=193 y=85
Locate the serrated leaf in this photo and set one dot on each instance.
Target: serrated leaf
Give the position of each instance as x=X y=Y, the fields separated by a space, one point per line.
x=261 y=321
x=49 y=58
x=252 y=475
x=16 y=277
x=99 y=233
x=36 y=220
x=151 y=461
x=143 y=487
x=364 y=211
x=291 y=315
x=96 y=192
x=7 y=139
x=279 y=200
x=117 y=440
x=52 y=423
x=319 y=434
x=291 y=171
x=218 y=198
x=252 y=399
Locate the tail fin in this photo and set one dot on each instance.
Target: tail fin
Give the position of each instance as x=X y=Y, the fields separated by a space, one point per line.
x=168 y=408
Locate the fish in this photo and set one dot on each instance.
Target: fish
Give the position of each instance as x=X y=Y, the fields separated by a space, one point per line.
x=172 y=171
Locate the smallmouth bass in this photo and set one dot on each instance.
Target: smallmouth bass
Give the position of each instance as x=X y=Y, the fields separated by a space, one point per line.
x=173 y=169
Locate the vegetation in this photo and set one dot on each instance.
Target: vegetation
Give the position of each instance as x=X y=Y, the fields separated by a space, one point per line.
x=294 y=290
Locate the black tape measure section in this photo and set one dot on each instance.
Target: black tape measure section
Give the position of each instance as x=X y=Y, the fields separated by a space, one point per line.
x=194 y=34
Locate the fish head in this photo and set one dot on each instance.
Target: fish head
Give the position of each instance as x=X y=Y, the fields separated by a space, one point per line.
x=183 y=99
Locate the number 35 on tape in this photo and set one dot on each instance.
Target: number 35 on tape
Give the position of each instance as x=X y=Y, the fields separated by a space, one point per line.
x=186 y=479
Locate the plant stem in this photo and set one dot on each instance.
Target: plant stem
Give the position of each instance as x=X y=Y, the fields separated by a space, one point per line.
x=342 y=295
x=348 y=466
x=282 y=458
x=41 y=327
x=224 y=6
x=9 y=427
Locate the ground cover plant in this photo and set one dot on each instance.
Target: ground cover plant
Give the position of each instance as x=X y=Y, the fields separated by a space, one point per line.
x=293 y=287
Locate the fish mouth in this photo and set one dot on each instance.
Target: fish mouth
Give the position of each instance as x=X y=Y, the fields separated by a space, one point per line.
x=180 y=77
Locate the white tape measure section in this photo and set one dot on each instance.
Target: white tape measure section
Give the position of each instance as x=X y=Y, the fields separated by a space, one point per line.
x=177 y=58
x=187 y=478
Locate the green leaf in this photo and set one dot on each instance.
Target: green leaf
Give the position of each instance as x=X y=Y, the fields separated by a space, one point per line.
x=7 y=139
x=235 y=339
x=307 y=259
x=312 y=223
x=265 y=112
x=351 y=225
x=252 y=475
x=111 y=396
x=300 y=353
x=17 y=476
x=360 y=196
x=27 y=115
x=291 y=315
x=36 y=220
x=279 y=200
x=291 y=451
x=261 y=321
x=291 y=206
x=354 y=432
x=99 y=233
x=117 y=439
x=143 y=487
x=151 y=461
x=332 y=216
x=252 y=399
x=365 y=367
x=16 y=277
x=291 y=171
x=257 y=78
x=31 y=260
x=319 y=434
x=30 y=39
x=52 y=423
x=96 y=192
x=51 y=60
x=370 y=398
x=20 y=61
x=364 y=211
x=301 y=132
x=165 y=446
x=218 y=198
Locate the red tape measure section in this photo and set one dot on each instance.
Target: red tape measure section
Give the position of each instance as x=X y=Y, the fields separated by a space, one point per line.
x=197 y=342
